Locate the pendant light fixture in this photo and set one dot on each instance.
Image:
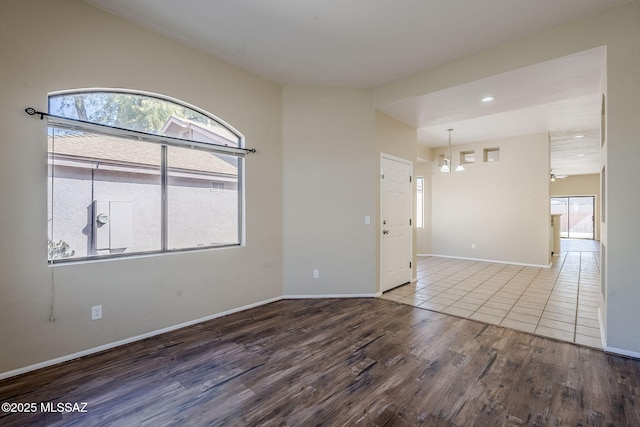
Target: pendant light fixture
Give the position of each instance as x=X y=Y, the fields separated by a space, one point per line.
x=447 y=164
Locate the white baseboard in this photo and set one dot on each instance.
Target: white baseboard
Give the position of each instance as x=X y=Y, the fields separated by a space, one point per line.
x=495 y=261
x=621 y=352
x=19 y=371
x=613 y=350
x=332 y=296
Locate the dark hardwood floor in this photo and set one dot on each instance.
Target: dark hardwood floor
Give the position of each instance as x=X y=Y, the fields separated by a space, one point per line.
x=335 y=362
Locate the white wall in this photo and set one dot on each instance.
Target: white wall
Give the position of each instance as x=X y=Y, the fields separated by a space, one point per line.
x=330 y=185
x=500 y=207
x=619 y=30
x=400 y=140
x=623 y=178
x=48 y=46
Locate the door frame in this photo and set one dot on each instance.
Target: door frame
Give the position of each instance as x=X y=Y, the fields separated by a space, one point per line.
x=380 y=219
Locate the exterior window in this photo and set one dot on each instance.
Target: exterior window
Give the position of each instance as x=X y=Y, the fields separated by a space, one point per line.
x=420 y=202
x=123 y=179
x=491 y=154
x=603 y=195
x=467 y=157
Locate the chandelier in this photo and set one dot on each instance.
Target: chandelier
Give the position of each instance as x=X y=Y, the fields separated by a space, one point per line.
x=447 y=164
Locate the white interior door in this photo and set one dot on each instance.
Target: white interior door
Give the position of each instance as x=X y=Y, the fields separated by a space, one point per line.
x=396 y=207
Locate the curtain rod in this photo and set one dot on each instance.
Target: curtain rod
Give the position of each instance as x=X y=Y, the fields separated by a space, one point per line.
x=149 y=137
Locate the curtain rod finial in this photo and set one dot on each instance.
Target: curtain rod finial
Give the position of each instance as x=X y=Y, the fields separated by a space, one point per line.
x=32 y=112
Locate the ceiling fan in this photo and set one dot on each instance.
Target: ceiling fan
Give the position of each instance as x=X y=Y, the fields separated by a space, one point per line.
x=554 y=176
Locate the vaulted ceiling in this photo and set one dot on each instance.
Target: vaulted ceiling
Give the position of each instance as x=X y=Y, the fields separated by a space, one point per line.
x=365 y=43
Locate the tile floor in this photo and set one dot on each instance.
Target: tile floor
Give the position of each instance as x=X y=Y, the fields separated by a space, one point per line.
x=560 y=302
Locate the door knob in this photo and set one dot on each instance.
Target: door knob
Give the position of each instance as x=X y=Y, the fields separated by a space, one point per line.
x=385 y=231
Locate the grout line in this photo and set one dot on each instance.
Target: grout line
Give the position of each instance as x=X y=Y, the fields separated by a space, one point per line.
x=498 y=290
x=490 y=277
x=469 y=269
x=539 y=317
x=577 y=300
x=554 y=286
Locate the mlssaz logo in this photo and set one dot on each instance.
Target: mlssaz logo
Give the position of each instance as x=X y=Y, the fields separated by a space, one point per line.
x=64 y=407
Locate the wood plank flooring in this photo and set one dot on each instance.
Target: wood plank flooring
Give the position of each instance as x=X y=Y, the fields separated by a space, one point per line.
x=335 y=362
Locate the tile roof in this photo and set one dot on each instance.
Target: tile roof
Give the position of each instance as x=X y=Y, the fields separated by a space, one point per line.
x=120 y=150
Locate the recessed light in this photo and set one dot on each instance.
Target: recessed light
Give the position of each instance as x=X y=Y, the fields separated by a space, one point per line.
x=579 y=136
x=579 y=155
x=488 y=99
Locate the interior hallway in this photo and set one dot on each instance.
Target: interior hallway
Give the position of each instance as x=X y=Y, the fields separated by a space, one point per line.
x=560 y=302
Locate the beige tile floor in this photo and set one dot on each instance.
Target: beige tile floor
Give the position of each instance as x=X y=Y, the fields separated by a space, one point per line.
x=560 y=302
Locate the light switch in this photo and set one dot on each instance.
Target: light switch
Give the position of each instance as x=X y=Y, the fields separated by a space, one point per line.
x=367 y=220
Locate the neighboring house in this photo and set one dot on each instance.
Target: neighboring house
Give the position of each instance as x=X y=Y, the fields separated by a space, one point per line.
x=196 y=131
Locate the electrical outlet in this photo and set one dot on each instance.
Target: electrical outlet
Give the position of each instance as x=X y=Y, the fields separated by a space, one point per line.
x=96 y=312
x=316 y=274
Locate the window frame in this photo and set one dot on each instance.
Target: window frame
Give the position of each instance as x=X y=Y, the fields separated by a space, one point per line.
x=59 y=122
x=467 y=157
x=491 y=155
x=420 y=202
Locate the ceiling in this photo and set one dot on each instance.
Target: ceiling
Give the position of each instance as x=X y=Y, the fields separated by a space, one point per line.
x=562 y=97
x=365 y=43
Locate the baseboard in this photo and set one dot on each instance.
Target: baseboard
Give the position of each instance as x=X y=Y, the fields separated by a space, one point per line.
x=495 y=261
x=621 y=352
x=332 y=296
x=115 y=344
x=613 y=350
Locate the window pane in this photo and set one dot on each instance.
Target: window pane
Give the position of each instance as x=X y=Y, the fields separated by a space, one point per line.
x=467 y=157
x=104 y=195
x=420 y=202
x=577 y=216
x=581 y=216
x=114 y=191
x=203 y=199
x=491 y=154
x=142 y=113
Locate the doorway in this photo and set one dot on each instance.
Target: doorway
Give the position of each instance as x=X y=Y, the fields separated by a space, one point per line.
x=578 y=216
x=396 y=208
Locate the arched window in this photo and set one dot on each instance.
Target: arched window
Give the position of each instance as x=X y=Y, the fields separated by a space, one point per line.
x=135 y=173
